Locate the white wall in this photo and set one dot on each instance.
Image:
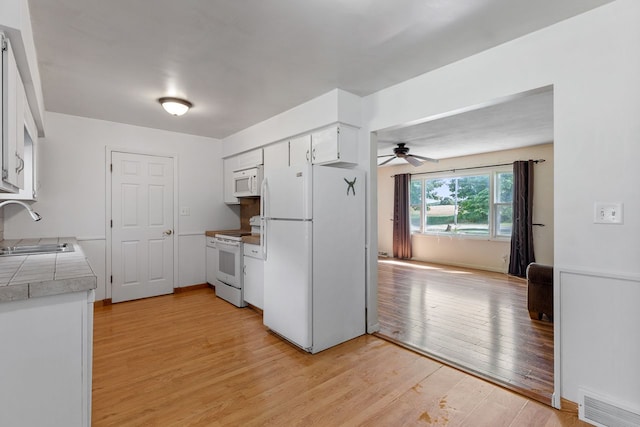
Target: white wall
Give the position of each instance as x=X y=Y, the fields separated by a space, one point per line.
x=72 y=195
x=591 y=61
x=474 y=252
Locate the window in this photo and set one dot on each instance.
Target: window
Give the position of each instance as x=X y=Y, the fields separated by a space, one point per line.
x=465 y=205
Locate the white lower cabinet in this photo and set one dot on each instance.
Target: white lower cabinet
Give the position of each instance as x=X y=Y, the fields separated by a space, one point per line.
x=211 y=261
x=46 y=360
x=253 y=275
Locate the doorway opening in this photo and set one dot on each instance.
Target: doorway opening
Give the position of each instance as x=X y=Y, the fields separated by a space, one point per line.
x=453 y=300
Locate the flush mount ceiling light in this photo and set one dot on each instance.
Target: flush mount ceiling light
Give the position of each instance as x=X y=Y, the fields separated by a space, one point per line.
x=175 y=106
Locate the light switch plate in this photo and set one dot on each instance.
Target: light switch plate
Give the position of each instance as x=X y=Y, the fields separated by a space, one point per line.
x=608 y=213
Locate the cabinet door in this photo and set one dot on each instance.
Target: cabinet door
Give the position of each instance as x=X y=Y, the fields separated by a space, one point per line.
x=336 y=145
x=13 y=118
x=254 y=282
x=229 y=165
x=276 y=157
x=248 y=160
x=324 y=145
x=212 y=263
x=300 y=150
x=20 y=129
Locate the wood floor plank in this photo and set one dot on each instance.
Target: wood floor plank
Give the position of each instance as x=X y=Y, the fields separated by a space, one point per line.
x=477 y=320
x=192 y=359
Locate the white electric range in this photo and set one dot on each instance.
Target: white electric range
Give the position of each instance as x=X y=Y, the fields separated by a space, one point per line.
x=228 y=267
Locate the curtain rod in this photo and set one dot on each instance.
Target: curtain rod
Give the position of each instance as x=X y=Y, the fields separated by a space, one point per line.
x=469 y=168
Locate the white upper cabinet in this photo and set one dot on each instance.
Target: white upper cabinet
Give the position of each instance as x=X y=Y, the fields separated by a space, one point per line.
x=248 y=160
x=337 y=145
x=13 y=106
x=30 y=189
x=276 y=157
x=300 y=150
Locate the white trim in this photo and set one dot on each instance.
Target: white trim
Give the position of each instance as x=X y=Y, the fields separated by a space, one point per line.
x=556 y=397
x=192 y=233
x=90 y=238
x=176 y=189
x=581 y=271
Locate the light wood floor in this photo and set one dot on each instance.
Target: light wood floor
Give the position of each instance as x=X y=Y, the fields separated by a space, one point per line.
x=477 y=320
x=193 y=359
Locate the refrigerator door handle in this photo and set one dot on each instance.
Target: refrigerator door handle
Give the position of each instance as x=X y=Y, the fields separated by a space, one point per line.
x=263 y=219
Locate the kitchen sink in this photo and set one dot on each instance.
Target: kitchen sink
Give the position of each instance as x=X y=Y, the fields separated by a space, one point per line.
x=36 y=249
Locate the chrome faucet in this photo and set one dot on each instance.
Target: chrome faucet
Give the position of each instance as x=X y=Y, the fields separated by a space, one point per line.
x=35 y=215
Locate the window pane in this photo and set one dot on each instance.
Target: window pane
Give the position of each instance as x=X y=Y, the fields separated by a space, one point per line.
x=415 y=204
x=504 y=187
x=458 y=205
x=504 y=219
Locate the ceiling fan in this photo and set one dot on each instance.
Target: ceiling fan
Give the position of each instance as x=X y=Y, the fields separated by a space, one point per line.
x=402 y=152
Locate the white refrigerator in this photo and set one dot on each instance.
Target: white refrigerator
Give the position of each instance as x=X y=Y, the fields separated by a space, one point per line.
x=314 y=249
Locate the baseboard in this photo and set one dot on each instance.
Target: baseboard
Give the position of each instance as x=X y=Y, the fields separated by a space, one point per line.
x=451 y=264
x=107 y=301
x=190 y=288
x=256 y=309
x=568 y=406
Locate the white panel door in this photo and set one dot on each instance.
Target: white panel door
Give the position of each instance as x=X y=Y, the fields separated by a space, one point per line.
x=287 y=280
x=142 y=231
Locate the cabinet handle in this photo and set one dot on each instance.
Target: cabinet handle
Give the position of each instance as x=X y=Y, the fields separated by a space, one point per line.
x=20 y=166
x=313 y=154
x=244 y=270
x=307 y=155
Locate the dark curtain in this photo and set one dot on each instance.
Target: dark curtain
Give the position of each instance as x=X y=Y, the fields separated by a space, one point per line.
x=522 y=230
x=401 y=221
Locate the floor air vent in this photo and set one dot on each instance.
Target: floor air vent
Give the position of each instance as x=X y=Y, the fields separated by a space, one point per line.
x=602 y=412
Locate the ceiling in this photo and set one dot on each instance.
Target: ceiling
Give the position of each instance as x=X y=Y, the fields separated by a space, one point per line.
x=241 y=62
x=518 y=121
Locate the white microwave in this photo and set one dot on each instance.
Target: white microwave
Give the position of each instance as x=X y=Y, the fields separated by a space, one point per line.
x=246 y=183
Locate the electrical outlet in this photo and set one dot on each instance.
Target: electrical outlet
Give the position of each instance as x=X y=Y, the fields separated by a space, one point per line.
x=184 y=211
x=608 y=213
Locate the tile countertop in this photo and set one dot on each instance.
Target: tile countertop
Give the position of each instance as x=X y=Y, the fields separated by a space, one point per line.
x=31 y=276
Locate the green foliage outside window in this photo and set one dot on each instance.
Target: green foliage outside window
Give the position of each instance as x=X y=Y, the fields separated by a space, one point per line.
x=463 y=204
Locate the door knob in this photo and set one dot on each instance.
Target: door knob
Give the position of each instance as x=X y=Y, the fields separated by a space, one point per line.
x=167 y=232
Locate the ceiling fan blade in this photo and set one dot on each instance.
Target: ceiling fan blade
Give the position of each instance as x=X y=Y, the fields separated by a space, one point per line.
x=387 y=161
x=411 y=159
x=429 y=159
x=387 y=155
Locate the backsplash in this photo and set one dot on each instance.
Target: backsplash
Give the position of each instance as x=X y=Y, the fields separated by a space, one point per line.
x=249 y=206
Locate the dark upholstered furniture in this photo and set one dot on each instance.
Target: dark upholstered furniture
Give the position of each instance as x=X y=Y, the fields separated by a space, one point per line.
x=540 y=291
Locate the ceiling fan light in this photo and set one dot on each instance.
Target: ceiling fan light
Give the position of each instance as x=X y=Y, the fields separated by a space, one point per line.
x=175 y=106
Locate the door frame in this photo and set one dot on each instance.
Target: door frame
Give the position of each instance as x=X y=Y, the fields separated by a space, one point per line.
x=107 y=223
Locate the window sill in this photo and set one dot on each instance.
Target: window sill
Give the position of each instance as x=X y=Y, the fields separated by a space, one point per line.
x=463 y=236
